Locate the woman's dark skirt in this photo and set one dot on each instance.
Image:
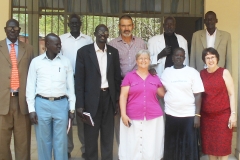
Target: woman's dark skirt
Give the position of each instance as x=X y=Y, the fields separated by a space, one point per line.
x=181 y=140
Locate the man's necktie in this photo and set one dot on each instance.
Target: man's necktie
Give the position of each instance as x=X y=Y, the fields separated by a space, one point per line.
x=14 y=74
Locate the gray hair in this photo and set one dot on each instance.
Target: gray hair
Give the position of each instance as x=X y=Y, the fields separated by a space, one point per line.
x=143 y=51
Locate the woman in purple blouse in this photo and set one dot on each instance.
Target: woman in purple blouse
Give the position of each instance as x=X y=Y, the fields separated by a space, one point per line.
x=142 y=125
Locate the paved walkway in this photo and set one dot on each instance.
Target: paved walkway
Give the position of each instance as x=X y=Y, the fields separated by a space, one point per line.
x=76 y=154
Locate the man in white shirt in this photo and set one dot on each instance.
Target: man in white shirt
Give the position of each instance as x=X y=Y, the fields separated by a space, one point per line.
x=211 y=37
x=51 y=99
x=71 y=42
x=161 y=47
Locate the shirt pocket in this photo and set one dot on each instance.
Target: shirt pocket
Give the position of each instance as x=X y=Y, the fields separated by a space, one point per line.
x=59 y=73
x=134 y=84
x=135 y=88
x=153 y=85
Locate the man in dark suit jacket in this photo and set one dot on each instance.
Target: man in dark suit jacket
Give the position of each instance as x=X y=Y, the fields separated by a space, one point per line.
x=97 y=87
x=14 y=117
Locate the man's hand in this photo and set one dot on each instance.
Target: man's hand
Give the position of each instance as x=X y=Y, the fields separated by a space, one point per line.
x=33 y=118
x=166 y=51
x=196 y=122
x=71 y=115
x=79 y=112
x=152 y=71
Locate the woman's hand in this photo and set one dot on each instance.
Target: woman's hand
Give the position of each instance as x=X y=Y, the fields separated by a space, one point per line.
x=126 y=120
x=232 y=121
x=196 y=122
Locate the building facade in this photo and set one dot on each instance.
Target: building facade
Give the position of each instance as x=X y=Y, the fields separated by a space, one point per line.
x=228 y=14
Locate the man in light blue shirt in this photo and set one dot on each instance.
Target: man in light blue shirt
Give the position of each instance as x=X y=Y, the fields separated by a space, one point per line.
x=51 y=99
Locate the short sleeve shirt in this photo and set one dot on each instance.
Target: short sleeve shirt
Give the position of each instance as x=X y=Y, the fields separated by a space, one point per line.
x=142 y=99
x=181 y=84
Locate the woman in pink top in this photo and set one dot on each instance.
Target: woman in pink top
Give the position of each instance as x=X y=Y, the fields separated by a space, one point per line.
x=142 y=125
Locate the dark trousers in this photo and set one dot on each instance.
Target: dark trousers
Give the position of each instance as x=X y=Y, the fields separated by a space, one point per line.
x=103 y=122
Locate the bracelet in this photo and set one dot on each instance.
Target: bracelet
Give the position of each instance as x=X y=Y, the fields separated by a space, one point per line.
x=198 y=115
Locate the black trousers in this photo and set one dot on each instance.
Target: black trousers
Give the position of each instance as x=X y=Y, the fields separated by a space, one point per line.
x=103 y=122
x=181 y=142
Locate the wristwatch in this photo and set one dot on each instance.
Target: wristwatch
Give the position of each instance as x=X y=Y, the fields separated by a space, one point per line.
x=72 y=111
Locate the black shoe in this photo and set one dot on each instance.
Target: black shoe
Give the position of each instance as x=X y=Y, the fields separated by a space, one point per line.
x=84 y=155
x=69 y=155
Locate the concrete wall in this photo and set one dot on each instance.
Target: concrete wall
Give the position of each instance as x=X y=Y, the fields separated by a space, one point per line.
x=228 y=14
x=5 y=13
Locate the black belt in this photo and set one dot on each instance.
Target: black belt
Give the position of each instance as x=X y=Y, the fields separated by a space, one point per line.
x=13 y=94
x=51 y=98
x=104 y=89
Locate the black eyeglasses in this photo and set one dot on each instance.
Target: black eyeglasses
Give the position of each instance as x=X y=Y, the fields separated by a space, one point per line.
x=103 y=32
x=15 y=28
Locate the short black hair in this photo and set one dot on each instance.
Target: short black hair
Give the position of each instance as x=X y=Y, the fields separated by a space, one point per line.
x=74 y=15
x=125 y=16
x=12 y=20
x=211 y=12
x=210 y=50
x=48 y=37
x=100 y=25
x=178 y=49
x=170 y=17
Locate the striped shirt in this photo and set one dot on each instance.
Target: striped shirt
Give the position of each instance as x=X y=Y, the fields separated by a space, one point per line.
x=127 y=52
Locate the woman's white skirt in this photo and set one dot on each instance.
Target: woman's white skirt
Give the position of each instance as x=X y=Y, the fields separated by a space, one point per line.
x=144 y=140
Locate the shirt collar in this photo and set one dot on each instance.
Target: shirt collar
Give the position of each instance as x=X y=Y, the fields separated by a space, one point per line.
x=80 y=36
x=46 y=57
x=120 y=38
x=213 y=33
x=149 y=74
x=172 y=35
x=9 y=42
x=97 y=48
x=134 y=71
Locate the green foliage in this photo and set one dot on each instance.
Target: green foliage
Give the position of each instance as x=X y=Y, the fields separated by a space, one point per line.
x=144 y=27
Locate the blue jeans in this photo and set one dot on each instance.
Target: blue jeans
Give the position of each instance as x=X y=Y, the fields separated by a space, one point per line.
x=51 y=130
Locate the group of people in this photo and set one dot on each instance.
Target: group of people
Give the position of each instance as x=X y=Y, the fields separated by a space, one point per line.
x=154 y=99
